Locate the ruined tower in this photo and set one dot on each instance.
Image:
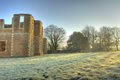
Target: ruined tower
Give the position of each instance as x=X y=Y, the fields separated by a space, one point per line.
x=23 y=38
x=23 y=35
x=38 y=37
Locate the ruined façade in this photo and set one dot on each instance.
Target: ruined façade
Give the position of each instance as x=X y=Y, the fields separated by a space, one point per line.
x=24 y=37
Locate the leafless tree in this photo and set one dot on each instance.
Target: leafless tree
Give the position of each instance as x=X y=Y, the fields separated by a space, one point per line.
x=116 y=36
x=105 y=35
x=91 y=34
x=55 y=36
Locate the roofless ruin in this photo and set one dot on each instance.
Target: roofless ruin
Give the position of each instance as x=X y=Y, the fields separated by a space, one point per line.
x=24 y=37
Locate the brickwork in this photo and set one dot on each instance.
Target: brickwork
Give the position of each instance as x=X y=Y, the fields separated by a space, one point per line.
x=7 y=38
x=22 y=38
x=20 y=45
x=44 y=45
x=38 y=38
x=2 y=23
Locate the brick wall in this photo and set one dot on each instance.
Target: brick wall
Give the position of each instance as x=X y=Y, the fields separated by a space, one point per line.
x=38 y=38
x=5 y=35
x=23 y=41
x=44 y=45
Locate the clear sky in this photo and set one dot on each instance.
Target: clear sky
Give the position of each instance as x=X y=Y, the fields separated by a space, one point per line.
x=72 y=15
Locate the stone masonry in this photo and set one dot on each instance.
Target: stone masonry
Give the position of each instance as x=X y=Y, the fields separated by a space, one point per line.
x=24 y=37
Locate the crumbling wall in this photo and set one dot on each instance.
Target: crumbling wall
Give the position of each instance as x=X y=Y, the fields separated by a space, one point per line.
x=23 y=37
x=38 y=38
x=31 y=36
x=44 y=45
x=2 y=22
x=20 y=45
x=5 y=35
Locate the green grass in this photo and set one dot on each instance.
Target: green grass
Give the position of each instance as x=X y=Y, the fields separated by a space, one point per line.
x=82 y=66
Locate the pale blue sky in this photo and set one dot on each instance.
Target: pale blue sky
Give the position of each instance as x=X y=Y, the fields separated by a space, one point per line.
x=72 y=15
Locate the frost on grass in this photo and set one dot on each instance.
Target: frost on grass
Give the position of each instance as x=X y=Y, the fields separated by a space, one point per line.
x=82 y=66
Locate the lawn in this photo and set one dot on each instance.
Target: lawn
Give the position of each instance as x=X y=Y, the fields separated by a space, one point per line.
x=76 y=66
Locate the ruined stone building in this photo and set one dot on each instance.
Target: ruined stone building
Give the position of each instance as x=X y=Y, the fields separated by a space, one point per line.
x=24 y=37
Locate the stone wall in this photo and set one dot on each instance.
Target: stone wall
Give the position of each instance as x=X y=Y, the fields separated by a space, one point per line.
x=20 y=44
x=23 y=38
x=38 y=38
x=5 y=35
x=44 y=45
x=31 y=36
x=2 y=22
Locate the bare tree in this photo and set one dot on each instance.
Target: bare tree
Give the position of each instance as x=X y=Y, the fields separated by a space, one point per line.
x=116 y=36
x=105 y=35
x=91 y=33
x=55 y=36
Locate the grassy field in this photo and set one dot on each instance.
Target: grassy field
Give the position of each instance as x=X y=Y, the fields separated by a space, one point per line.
x=77 y=66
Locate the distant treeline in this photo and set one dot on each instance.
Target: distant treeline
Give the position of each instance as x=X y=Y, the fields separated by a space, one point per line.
x=88 y=39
